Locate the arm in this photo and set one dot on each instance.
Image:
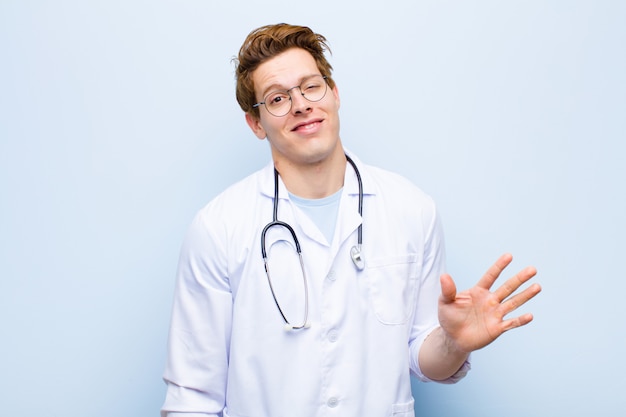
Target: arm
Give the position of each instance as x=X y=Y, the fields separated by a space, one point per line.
x=199 y=338
x=472 y=319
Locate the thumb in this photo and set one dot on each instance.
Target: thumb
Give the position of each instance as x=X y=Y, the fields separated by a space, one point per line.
x=448 y=289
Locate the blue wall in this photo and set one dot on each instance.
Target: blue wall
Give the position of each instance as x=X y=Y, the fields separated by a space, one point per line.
x=118 y=121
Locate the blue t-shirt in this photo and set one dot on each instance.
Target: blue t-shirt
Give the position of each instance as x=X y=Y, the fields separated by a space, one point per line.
x=323 y=211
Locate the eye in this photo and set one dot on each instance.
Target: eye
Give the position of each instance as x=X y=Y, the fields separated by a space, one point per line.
x=275 y=99
x=311 y=86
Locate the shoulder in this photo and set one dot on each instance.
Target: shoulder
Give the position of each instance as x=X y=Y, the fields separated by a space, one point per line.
x=393 y=196
x=391 y=185
x=236 y=203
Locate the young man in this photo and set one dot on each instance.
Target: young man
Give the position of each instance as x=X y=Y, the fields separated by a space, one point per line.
x=279 y=310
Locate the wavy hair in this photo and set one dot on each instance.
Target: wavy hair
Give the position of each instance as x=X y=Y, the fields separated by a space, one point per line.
x=265 y=43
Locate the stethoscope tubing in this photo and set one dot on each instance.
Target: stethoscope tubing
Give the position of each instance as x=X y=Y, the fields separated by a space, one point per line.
x=355 y=252
x=273 y=223
x=360 y=183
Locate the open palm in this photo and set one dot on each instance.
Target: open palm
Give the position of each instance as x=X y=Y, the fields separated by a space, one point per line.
x=476 y=317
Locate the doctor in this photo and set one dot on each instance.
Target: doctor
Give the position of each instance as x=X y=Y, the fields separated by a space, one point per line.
x=305 y=326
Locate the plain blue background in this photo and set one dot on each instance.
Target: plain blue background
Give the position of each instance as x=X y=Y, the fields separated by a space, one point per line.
x=118 y=122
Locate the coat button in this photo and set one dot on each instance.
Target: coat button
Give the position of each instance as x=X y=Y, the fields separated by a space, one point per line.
x=332 y=402
x=333 y=335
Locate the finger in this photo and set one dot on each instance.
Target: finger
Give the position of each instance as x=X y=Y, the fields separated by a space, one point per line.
x=494 y=271
x=448 y=289
x=512 y=284
x=520 y=299
x=516 y=322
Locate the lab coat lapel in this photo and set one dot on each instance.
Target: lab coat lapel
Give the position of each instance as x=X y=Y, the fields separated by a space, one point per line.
x=287 y=211
x=348 y=219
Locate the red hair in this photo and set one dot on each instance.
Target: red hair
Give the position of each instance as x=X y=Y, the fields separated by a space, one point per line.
x=265 y=43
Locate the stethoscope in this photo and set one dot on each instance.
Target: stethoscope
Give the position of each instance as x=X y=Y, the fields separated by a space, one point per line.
x=355 y=252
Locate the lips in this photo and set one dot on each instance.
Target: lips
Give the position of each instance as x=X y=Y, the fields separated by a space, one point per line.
x=309 y=125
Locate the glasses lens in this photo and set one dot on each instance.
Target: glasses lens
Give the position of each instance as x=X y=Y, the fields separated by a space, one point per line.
x=278 y=103
x=312 y=88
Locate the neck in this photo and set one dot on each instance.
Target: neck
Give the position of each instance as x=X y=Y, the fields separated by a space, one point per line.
x=317 y=180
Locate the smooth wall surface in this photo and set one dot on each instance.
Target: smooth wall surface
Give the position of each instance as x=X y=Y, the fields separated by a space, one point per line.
x=118 y=121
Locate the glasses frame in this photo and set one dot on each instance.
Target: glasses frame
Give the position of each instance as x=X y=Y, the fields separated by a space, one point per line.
x=288 y=91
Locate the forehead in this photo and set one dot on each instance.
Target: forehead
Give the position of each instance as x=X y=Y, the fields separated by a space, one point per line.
x=284 y=70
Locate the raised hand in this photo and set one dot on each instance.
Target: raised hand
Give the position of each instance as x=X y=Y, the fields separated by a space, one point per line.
x=474 y=318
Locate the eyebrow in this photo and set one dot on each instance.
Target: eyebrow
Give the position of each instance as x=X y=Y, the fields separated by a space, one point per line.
x=280 y=87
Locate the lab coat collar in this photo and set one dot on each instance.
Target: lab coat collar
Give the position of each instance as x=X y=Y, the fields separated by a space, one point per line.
x=350 y=183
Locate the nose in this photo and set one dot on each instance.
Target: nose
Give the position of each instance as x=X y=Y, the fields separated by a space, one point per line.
x=299 y=104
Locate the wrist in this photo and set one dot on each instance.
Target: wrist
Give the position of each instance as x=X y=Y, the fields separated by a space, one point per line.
x=450 y=345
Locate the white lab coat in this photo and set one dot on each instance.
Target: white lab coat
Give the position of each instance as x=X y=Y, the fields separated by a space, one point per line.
x=228 y=350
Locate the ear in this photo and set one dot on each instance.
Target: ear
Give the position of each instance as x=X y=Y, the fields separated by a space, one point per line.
x=255 y=124
x=336 y=93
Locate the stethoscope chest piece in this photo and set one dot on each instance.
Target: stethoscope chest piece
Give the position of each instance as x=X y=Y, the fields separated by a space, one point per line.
x=355 y=253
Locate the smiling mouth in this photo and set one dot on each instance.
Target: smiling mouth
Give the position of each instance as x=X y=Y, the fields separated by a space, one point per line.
x=307 y=126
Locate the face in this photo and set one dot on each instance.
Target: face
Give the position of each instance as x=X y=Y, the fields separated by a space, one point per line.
x=309 y=133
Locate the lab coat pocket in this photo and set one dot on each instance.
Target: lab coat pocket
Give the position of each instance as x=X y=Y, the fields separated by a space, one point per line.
x=392 y=286
x=403 y=409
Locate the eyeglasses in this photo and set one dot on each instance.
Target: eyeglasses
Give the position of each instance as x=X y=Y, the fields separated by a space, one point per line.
x=278 y=103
